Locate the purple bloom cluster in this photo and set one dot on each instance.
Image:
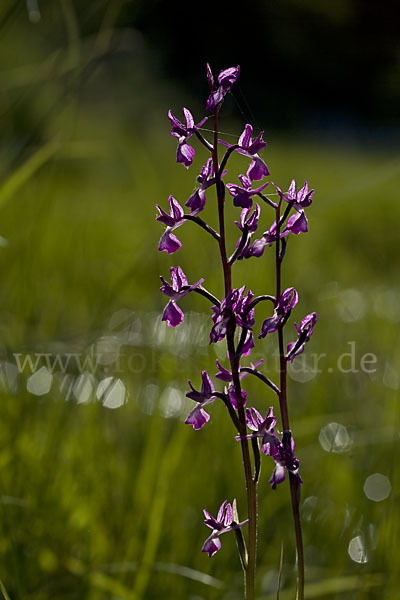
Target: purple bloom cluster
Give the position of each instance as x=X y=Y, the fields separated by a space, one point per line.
x=233 y=317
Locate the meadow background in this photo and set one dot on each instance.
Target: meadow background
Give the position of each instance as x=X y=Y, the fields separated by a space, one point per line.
x=102 y=486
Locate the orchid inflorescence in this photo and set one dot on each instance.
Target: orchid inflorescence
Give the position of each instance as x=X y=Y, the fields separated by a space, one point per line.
x=233 y=317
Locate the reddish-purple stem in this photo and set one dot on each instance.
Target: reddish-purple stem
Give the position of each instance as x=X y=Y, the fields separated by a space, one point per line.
x=285 y=421
x=251 y=484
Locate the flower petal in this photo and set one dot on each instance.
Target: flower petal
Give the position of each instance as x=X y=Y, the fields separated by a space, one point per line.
x=257 y=170
x=297 y=223
x=188 y=119
x=278 y=475
x=172 y=314
x=227 y=77
x=211 y=545
x=246 y=137
x=197 y=417
x=185 y=154
x=169 y=242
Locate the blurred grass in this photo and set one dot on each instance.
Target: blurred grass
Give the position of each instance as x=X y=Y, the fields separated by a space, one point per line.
x=98 y=503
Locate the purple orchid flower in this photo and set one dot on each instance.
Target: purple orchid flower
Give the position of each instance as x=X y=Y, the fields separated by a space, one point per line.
x=206 y=179
x=258 y=169
x=223 y=374
x=262 y=428
x=301 y=199
x=168 y=241
x=242 y=196
x=198 y=417
x=246 y=143
x=226 y=79
x=286 y=303
x=175 y=213
x=243 y=311
x=185 y=152
x=285 y=460
x=248 y=344
x=281 y=451
x=222 y=524
x=233 y=397
x=222 y=315
x=236 y=304
x=296 y=224
x=177 y=289
x=249 y=220
x=305 y=331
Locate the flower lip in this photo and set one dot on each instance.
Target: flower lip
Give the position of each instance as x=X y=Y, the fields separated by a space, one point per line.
x=169 y=242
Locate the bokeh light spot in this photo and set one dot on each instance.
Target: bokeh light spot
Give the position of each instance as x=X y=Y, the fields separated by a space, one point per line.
x=357 y=551
x=301 y=370
x=377 y=487
x=335 y=438
x=83 y=388
x=39 y=383
x=171 y=402
x=148 y=398
x=107 y=350
x=309 y=506
x=351 y=305
x=112 y=392
x=387 y=304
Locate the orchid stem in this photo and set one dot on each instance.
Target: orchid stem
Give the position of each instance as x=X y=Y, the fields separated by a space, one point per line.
x=251 y=484
x=285 y=421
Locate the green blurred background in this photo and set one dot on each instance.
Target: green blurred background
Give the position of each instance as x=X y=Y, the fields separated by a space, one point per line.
x=102 y=485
